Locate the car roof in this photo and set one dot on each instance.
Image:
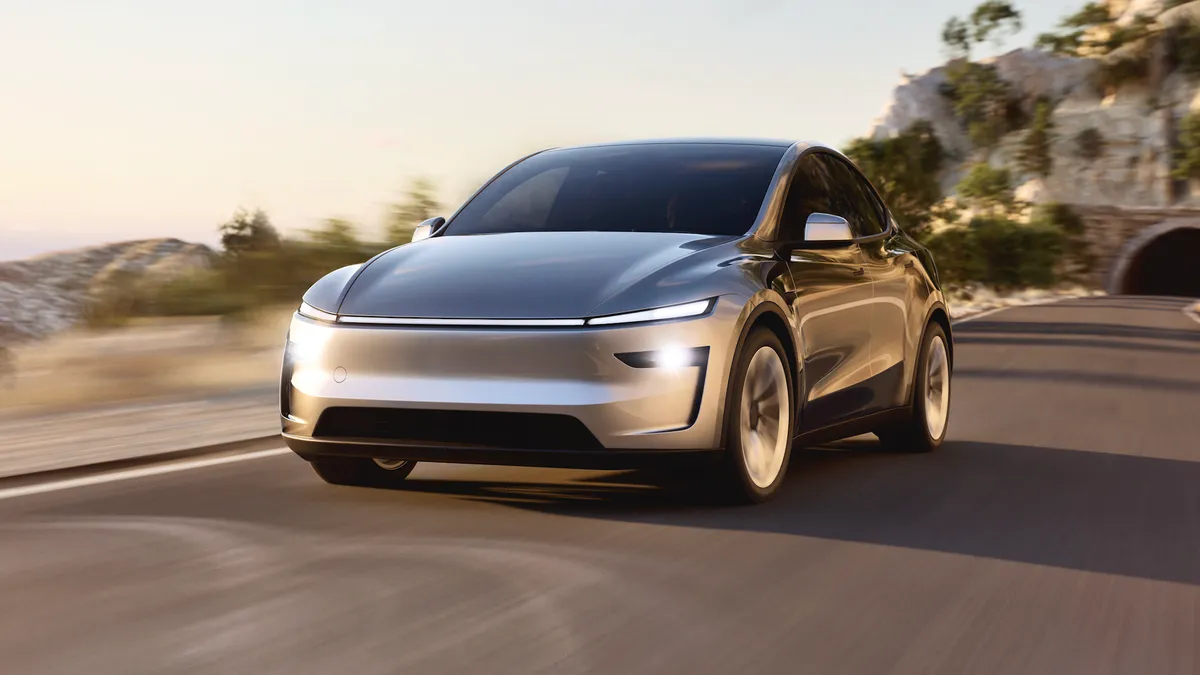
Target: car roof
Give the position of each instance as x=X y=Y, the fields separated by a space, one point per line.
x=776 y=143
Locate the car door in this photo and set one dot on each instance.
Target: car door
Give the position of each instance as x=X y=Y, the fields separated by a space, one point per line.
x=889 y=265
x=831 y=300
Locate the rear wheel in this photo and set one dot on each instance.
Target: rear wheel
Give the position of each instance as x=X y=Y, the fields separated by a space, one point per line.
x=362 y=472
x=925 y=429
x=758 y=421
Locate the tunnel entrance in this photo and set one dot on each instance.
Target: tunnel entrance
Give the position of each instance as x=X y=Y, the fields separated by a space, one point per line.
x=1166 y=264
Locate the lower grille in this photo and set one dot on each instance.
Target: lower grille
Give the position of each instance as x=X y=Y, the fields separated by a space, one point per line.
x=514 y=431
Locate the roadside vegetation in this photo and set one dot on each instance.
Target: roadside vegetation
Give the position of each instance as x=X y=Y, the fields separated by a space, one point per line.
x=257 y=267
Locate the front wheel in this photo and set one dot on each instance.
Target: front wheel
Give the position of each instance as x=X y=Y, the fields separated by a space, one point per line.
x=362 y=472
x=925 y=429
x=758 y=421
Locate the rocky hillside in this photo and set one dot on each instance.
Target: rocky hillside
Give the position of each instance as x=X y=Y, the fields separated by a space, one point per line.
x=49 y=293
x=1116 y=109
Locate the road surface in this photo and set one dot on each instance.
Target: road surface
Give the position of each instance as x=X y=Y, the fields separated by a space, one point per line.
x=1056 y=532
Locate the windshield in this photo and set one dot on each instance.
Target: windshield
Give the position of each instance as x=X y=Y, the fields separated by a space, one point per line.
x=710 y=188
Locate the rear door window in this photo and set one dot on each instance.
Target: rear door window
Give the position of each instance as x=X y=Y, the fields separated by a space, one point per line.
x=854 y=199
x=808 y=193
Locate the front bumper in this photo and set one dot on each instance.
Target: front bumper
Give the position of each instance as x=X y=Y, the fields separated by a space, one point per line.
x=562 y=374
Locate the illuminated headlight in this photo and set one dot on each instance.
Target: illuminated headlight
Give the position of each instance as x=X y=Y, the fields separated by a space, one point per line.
x=671 y=357
x=660 y=314
x=306 y=339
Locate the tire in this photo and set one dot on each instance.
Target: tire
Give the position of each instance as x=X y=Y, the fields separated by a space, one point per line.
x=929 y=416
x=756 y=457
x=362 y=472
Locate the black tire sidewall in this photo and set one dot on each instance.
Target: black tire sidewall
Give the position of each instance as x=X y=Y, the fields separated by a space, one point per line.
x=360 y=472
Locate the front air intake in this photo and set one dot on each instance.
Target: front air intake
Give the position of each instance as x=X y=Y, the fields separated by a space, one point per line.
x=462 y=428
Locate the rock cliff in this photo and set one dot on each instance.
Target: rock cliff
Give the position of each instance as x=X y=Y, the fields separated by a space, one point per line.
x=1134 y=122
x=45 y=294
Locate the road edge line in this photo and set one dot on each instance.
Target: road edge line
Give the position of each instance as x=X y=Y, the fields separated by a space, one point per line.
x=229 y=448
x=1035 y=303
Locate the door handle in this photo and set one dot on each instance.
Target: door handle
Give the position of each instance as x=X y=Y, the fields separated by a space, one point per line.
x=860 y=271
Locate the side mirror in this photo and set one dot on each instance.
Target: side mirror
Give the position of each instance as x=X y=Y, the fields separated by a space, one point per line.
x=827 y=230
x=426 y=229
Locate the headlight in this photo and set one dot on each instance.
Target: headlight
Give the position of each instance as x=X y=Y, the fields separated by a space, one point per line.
x=306 y=339
x=314 y=313
x=659 y=314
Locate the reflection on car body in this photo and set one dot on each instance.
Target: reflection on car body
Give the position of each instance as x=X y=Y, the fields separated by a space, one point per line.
x=619 y=304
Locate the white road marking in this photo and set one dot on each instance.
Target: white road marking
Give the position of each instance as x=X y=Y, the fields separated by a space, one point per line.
x=129 y=474
x=1034 y=303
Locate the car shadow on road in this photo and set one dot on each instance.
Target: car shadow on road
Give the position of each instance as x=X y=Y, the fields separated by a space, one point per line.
x=1098 y=512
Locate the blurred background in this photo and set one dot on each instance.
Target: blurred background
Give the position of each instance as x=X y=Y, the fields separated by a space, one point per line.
x=173 y=176
x=175 y=172
x=179 y=174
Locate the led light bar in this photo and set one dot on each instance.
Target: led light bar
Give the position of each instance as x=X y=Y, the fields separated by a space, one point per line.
x=660 y=314
x=314 y=313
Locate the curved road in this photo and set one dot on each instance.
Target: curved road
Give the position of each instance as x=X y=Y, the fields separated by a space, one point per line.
x=1056 y=532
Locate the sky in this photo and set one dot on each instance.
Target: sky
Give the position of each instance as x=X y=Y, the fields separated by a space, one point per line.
x=124 y=119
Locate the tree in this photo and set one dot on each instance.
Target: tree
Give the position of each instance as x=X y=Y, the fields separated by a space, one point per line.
x=987 y=188
x=989 y=21
x=956 y=36
x=1034 y=154
x=1092 y=14
x=1066 y=44
x=992 y=18
x=983 y=102
x=336 y=234
x=248 y=232
x=905 y=170
x=420 y=203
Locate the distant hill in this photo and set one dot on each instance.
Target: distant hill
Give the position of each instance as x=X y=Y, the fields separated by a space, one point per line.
x=1116 y=109
x=45 y=294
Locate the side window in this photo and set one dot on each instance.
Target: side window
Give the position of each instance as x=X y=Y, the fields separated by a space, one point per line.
x=854 y=199
x=808 y=193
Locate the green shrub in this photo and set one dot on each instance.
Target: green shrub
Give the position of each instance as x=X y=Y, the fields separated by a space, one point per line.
x=1016 y=255
x=1117 y=71
x=1034 y=154
x=1184 y=48
x=905 y=170
x=114 y=301
x=987 y=188
x=957 y=254
x=1066 y=44
x=983 y=102
x=999 y=252
x=1089 y=144
x=1187 y=151
x=198 y=293
x=1078 y=259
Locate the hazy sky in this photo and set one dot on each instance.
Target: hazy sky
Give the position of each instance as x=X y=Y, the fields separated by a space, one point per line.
x=137 y=118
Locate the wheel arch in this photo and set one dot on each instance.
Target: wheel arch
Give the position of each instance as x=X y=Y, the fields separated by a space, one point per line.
x=772 y=316
x=940 y=316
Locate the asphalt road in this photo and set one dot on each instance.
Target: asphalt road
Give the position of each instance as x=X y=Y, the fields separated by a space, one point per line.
x=1056 y=532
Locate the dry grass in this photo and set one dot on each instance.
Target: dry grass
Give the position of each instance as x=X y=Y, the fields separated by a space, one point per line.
x=145 y=360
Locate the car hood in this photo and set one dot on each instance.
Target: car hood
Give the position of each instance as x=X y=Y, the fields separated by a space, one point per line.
x=516 y=275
